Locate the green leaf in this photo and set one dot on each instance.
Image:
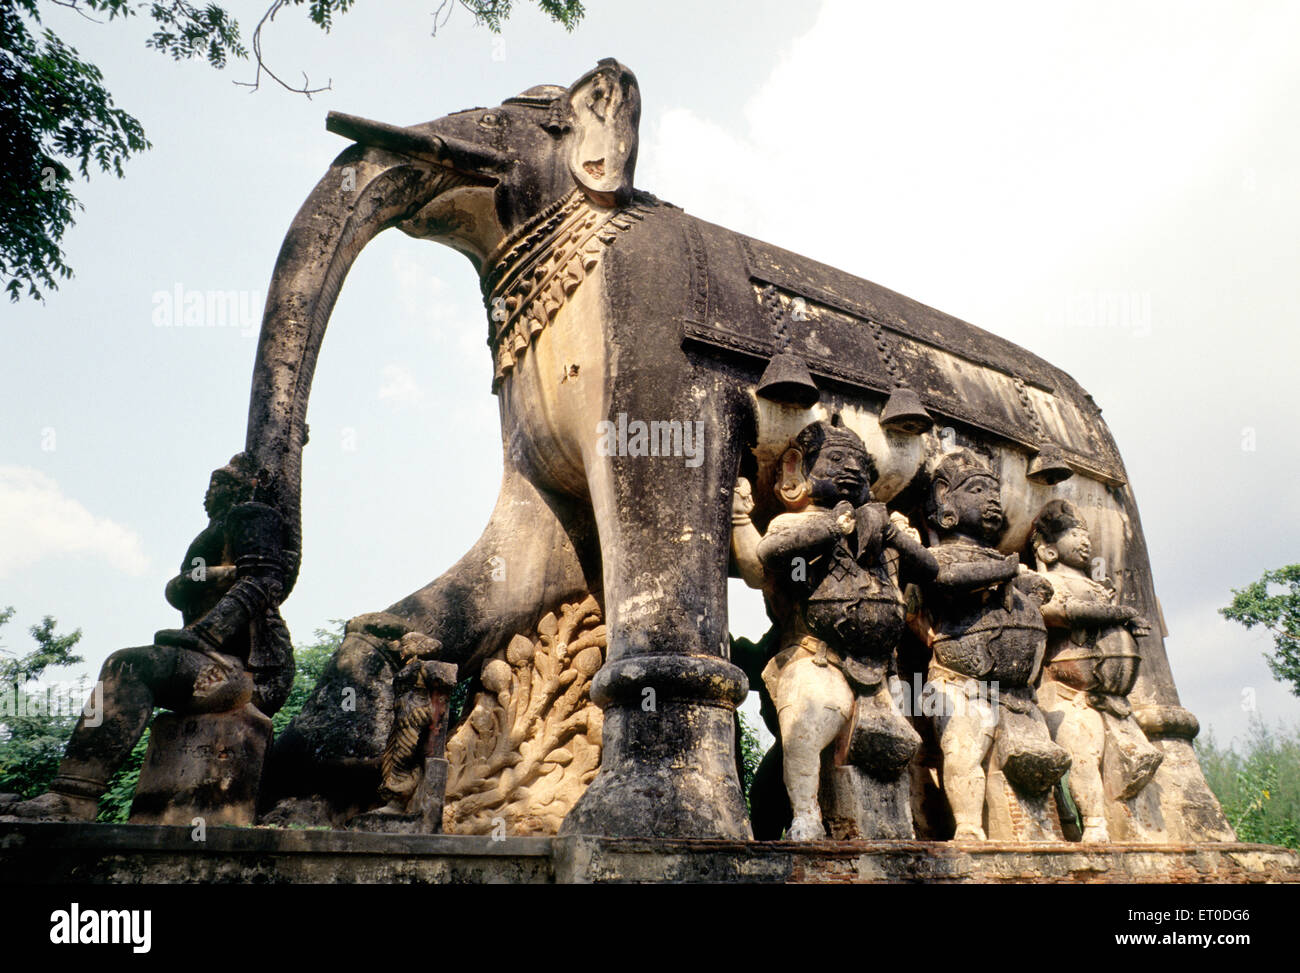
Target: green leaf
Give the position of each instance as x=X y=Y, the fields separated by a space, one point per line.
x=1279 y=613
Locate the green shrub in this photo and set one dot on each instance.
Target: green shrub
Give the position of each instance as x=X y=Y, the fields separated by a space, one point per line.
x=32 y=737
x=32 y=743
x=1260 y=788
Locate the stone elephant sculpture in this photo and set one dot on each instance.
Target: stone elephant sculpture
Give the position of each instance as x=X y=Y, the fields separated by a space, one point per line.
x=627 y=343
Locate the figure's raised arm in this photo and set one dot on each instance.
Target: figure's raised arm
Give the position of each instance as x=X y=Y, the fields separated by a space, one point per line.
x=917 y=561
x=745 y=536
x=977 y=574
x=788 y=537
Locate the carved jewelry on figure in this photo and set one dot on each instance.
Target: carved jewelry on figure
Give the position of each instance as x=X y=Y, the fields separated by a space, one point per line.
x=830 y=568
x=536 y=270
x=980 y=618
x=1092 y=662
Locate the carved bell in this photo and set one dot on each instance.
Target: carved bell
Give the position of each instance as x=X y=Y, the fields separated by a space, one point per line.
x=786 y=379
x=904 y=412
x=1048 y=466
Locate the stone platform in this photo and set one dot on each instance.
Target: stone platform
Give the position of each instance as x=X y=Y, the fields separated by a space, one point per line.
x=138 y=854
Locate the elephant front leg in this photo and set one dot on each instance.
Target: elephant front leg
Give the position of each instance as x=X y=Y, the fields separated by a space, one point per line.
x=668 y=689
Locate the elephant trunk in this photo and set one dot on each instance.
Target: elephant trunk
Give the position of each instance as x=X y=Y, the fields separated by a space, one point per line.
x=366 y=190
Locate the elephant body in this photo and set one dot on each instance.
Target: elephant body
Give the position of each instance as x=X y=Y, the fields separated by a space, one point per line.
x=608 y=308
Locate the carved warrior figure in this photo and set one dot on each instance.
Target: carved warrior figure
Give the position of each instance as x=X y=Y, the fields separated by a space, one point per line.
x=830 y=568
x=981 y=619
x=602 y=300
x=1092 y=663
x=413 y=769
x=234 y=650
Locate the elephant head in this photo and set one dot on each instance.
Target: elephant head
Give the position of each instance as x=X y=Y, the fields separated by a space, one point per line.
x=473 y=180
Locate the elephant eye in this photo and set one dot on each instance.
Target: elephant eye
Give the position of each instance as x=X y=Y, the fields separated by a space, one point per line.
x=490 y=120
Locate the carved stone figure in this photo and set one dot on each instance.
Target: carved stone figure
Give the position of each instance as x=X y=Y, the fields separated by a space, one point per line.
x=1091 y=665
x=830 y=573
x=414 y=766
x=982 y=621
x=606 y=307
x=233 y=656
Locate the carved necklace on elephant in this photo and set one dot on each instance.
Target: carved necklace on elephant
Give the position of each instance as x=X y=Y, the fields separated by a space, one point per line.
x=536 y=269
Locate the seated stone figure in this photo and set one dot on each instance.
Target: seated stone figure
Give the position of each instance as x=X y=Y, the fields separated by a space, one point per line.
x=826 y=567
x=981 y=619
x=1091 y=665
x=234 y=648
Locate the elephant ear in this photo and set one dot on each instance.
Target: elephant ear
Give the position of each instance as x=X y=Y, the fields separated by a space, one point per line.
x=606 y=109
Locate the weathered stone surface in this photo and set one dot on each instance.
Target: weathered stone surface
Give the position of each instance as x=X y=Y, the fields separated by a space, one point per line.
x=644 y=360
x=604 y=303
x=825 y=862
x=1012 y=815
x=531 y=743
x=830 y=567
x=414 y=767
x=206 y=766
x=126 y=854
x=233 y=656
x=981 y=619
x=1091 y=665
x=859 y=807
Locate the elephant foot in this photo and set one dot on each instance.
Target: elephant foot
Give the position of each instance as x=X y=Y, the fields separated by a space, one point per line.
x=668 y=767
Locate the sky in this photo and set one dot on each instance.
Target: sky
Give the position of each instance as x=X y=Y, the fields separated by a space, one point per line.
x=1112 y=186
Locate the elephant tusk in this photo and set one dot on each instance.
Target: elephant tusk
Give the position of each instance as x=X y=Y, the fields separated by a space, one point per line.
x=385 y=136
x=448 y=152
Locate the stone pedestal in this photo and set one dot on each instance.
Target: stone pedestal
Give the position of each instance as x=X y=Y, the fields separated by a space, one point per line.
x=856 y=806
x=1189 y=809
x=32 y=853
x=1138 y=818
x=1012 y=816
x=207 y=766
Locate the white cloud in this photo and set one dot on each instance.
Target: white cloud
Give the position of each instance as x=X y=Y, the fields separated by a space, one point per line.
x=38 y=521
x=400 y=387
x=1021 y=165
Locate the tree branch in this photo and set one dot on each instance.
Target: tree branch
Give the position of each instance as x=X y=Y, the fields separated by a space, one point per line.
x=253 y=85
x=75 y=6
